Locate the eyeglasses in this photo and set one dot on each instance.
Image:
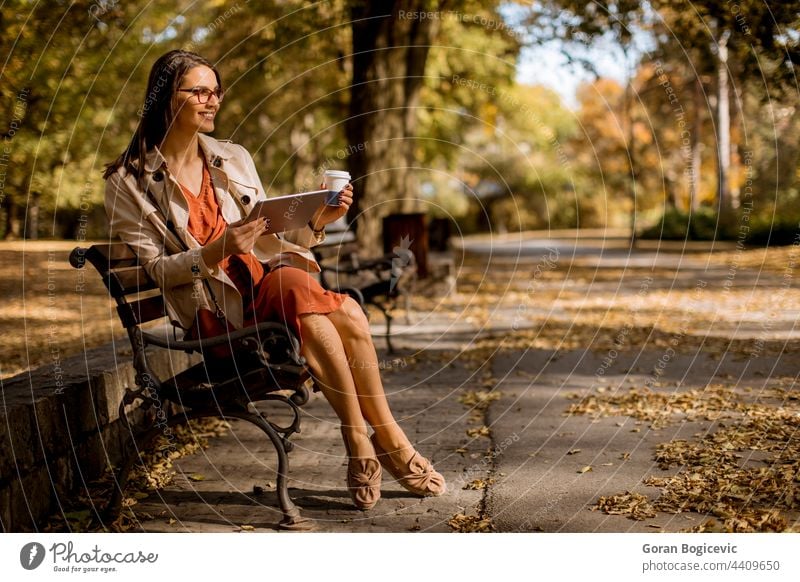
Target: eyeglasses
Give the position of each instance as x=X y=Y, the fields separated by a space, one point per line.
x=203 y=94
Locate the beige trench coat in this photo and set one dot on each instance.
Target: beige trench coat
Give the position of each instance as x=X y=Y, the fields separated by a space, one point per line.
x=180 y=273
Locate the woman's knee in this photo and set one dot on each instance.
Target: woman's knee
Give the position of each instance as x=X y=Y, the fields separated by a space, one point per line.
x=350 y=317
x=313 y=329
x=355 y=312
x=319 y=336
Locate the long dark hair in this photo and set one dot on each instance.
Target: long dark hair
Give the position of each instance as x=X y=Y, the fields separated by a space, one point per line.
x=157 y=114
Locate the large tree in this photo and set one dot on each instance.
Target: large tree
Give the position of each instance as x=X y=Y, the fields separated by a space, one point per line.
x=391 y=43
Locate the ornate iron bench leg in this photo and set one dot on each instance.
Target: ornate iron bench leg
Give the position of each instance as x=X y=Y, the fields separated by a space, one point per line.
x=292 y=520
x=389 y=346
x=387 y=315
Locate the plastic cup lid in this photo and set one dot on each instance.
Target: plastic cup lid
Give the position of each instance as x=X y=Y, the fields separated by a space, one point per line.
x=337 y=173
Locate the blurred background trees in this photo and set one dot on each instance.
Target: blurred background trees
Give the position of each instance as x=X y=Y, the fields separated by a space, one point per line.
x=420 y=101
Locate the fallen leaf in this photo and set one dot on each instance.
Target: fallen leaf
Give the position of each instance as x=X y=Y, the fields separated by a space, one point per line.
x=480 y=399
x=470 y=523
x=477 y=484
x=482 y=431
x=633 y=505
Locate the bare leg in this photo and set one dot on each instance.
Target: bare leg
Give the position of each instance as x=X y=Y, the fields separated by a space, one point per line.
x=322 y=347
x=353 y=330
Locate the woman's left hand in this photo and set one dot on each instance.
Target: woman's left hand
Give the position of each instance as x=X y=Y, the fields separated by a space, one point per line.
x=327 y=214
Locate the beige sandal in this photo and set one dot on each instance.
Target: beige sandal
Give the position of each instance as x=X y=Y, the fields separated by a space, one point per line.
x=417 y=476
x=363 y=478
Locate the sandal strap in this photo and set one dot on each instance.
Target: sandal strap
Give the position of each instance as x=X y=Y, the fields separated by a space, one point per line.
x=417 y=475
x=364 y=472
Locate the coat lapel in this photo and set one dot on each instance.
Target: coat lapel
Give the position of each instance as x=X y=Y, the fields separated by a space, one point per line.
x=166 y=190
x=217 y=154
x=168 y=194
x=229 y=208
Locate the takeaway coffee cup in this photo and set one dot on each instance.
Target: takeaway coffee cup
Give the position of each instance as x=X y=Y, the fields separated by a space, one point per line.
x=335 y=180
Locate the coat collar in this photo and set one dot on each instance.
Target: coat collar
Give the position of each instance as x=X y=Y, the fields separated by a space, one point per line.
x=216 y=152
x=167 y=191
x=153 y=160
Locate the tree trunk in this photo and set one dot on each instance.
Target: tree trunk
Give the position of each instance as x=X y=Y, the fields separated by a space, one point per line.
x=32 y=224
x=629 y=146
x=697 y=148
x=13 y=225
x=723 y=113
x=389 y=55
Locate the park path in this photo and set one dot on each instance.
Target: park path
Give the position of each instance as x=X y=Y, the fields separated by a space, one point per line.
x=650 y=347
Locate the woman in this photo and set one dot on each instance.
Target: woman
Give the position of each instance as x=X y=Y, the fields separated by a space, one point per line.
x=176 y=197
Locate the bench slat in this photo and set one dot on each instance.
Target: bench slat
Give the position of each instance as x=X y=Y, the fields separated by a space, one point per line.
x=111 y=256
x=142 y=311
x=122 y=282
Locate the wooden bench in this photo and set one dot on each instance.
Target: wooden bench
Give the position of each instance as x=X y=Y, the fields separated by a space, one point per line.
x=381 y=281
x=266 y=366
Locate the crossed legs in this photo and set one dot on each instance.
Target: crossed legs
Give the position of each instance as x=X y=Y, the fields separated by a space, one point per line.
x=340 y=353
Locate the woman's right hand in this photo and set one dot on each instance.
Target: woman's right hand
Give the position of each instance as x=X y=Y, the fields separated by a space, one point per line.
x=238 y=239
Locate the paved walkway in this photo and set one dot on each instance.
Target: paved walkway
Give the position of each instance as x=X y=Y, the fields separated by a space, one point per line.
x=527 y=469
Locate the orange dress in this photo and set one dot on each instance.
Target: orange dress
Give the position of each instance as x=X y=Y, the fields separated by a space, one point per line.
x=283 y=294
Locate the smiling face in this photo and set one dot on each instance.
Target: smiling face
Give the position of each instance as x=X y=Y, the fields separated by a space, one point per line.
x=191 y=115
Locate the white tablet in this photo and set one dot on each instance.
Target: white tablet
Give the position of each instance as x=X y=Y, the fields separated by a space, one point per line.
x=291 y=211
